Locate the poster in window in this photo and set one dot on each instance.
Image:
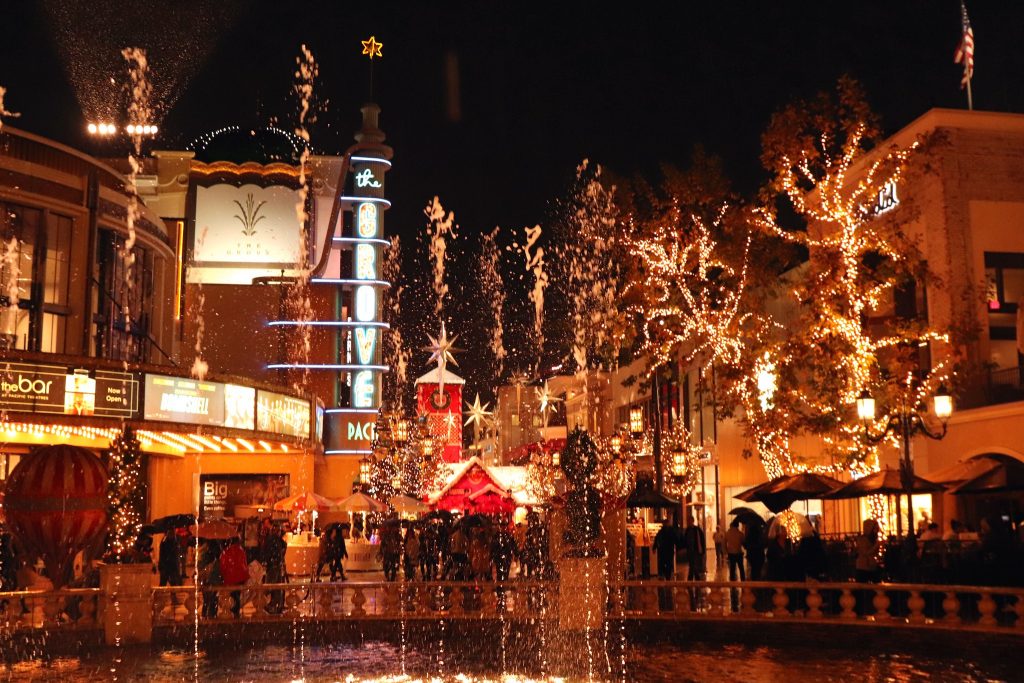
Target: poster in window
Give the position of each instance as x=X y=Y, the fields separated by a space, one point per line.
x=220 y=494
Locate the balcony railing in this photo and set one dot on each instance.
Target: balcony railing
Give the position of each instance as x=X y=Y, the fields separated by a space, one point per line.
x=992 y=388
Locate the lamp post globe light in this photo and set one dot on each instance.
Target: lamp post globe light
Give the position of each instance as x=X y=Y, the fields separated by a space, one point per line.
x=907 y=420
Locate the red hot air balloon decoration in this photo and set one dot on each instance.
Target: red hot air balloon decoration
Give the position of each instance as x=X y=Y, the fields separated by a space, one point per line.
x=56 y=504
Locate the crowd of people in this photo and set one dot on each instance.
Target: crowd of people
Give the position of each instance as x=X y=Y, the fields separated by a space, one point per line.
x=472 y=548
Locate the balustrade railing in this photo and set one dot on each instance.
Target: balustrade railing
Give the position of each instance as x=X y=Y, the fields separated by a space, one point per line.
x=355 y=600
x=923 y=605
x=910 y=605
x=72 y=608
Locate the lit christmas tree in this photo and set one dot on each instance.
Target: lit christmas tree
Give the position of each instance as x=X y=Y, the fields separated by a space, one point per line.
x=125 y=495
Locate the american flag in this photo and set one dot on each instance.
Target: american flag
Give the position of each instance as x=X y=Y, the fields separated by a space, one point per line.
x=965 y=50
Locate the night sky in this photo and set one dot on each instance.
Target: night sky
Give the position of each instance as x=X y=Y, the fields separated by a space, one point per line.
x=541 y=86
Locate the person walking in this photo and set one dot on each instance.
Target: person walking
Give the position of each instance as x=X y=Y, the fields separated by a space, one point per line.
x=168 y=564
x=733 y=543
x=869 y=547
x=503 y=549
x=411 y=553
x=339 y=552
x=391 y=550
x=754 y=544
x=274 y=547
x=210 y=576
x=719 y=539
x=665 y=542
x=234 y=569
x=428 y=552
x=695 y=542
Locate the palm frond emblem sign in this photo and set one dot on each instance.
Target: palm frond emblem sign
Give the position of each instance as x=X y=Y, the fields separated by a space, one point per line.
x=250 y=214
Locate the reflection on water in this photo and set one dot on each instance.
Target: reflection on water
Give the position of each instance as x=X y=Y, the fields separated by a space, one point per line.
x=372 y=662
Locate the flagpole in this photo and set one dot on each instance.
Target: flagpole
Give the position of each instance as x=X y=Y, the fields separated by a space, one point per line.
x=970 y=101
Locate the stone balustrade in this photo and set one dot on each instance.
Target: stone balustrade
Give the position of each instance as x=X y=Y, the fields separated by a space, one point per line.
x=920 y=606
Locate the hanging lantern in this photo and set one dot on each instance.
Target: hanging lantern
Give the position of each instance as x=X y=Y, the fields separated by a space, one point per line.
x=556 y=458
x=678 y=461
x=364 y=469
x=428 y=447
x=616 y=443
x=636 y=421
x=401 y=431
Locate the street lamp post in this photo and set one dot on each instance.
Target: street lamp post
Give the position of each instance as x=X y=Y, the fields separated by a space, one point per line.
x=907 y=421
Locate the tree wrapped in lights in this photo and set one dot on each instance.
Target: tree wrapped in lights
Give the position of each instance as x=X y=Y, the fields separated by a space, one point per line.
x=687 y=296
x=125 y=496
x=819 y=154
x=409 y=466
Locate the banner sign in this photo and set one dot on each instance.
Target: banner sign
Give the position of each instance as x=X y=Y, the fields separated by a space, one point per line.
x=55 y=389
x=244 y=232
x=178 y=399
x=282 y=414
x=220 y=494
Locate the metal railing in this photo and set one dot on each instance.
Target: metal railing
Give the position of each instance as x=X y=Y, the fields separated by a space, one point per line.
x=992 y=387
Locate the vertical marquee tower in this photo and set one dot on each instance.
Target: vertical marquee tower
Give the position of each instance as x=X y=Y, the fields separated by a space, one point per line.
x=352 y=263
x=348 y=270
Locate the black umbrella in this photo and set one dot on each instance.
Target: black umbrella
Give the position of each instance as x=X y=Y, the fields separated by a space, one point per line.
x=439 y=514
x=171 y=522
x=644 y=496
x=747 y=516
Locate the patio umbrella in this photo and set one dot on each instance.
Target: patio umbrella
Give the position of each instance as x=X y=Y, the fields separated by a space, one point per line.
x=885 y=482
x=305 y=501
x=1003 y=477
x=408 y=504
x=360 y=502
x=779 y=493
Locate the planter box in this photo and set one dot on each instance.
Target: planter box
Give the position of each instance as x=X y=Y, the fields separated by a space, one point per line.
x=582 y=593
x=127 y=603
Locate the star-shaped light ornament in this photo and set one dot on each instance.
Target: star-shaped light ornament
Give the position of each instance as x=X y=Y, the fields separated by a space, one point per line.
x=451 y=422
x=546 y=400
x=441 y=350
x=372 y=48
x=478 y=413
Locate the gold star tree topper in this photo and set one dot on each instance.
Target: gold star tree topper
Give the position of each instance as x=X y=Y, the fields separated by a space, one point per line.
x=372 y=48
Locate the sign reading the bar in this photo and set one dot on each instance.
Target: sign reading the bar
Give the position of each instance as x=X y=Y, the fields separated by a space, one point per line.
x=281 y=414
x=178 y=399
x=55 y=389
